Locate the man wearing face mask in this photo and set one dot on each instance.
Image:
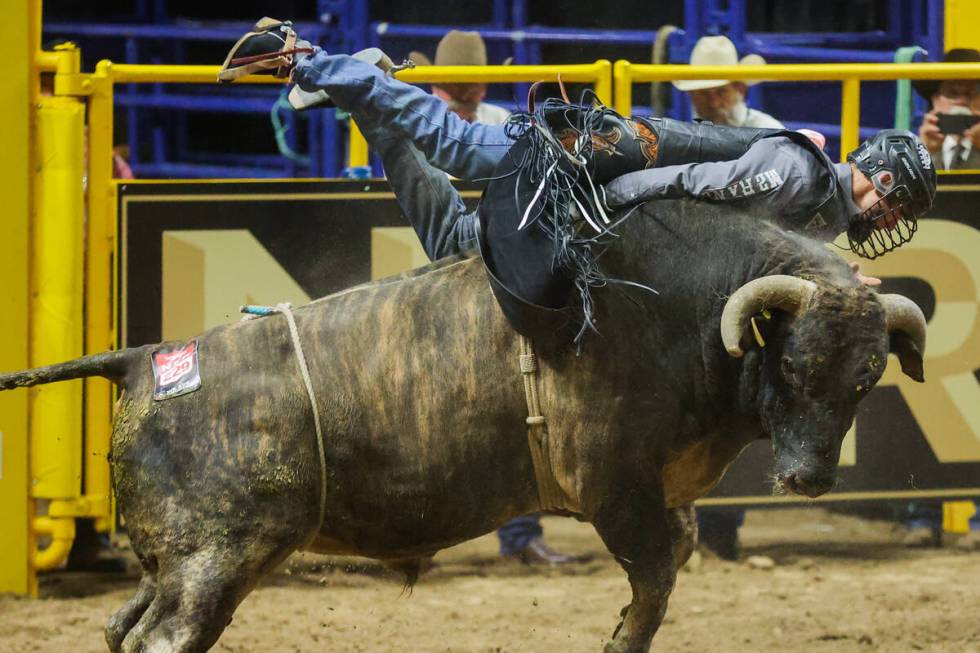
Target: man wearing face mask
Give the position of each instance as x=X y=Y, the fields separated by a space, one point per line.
x=951 y=128
x=720 y=101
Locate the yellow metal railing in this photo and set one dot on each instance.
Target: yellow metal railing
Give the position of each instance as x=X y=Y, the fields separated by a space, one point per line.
x=625 y=74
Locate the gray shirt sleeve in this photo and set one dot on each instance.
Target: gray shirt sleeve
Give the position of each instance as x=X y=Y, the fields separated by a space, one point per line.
x=772 y=170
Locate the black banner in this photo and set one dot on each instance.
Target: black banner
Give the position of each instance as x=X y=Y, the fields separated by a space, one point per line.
x=191 y=252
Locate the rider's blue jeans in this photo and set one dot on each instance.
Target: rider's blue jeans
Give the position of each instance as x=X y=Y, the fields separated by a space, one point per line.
x=419 y=139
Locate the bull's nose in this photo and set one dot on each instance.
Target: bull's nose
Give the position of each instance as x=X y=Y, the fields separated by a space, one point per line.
x=810 y=486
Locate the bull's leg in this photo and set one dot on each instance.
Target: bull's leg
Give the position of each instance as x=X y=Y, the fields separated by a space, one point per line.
x=196 y=595
x=633 y=522
x=123 y=621
x=683 y=532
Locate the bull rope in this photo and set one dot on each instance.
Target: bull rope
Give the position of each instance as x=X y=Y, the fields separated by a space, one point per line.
x=286 y=309
x=550 y=495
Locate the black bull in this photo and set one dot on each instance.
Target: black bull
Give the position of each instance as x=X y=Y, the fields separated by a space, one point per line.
x=423 y=414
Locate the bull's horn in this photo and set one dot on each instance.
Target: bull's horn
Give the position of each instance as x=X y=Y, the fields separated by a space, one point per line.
x=775 y=291
x=902 y=314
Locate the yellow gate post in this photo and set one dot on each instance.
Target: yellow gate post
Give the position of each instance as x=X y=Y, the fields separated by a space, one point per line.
x=16 y=95
x=56 y=333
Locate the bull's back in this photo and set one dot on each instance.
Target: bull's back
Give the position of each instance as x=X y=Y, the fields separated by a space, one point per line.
x=424 y=410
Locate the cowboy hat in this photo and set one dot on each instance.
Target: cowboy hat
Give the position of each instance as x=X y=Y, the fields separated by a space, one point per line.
x=929 y=87
x=716 y=51
x=457 y=48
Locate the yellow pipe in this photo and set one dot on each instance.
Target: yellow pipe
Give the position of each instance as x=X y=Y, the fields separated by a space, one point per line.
x=46 y=61
x=603 y=84
x=850 y=115
x=122 y=73
x=56 y=296
x=34 y=14
x=358 y=148
x=99 y=288
x=623 y=76
x=961 y=18
x=62 y=534
x=490 y=74
x=806 y=72
x=18 y=98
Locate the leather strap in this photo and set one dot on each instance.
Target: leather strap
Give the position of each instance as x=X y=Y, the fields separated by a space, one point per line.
x=550 y=495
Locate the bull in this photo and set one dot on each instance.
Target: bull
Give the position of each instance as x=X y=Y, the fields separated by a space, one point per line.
x=422 y=413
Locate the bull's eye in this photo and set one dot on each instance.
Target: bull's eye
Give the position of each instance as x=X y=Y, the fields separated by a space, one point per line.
x=789 y=372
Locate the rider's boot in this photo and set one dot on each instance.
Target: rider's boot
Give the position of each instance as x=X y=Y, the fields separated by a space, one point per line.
x=274 y=48
x=269 y=49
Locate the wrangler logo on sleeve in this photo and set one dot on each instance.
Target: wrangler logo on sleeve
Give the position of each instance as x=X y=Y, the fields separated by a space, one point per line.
x=760 y=183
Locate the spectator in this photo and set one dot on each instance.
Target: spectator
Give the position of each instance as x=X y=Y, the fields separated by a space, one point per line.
x=720 y=101
x=465 y=99
x=960 y=149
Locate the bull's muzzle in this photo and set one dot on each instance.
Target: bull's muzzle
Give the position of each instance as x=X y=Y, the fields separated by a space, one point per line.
x=811 y=484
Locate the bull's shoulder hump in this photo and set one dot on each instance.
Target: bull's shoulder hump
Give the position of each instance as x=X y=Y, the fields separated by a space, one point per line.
x=443 y=267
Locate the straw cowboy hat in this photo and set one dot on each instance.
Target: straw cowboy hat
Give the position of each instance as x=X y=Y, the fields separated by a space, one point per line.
x=716 y=51
x=926 y=88
x=457 y=48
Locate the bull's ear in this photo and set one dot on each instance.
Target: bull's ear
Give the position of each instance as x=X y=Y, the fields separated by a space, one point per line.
x=903 y=346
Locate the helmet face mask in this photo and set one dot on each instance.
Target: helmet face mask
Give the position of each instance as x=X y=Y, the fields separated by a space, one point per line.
x=900 y=168
x=886 y=225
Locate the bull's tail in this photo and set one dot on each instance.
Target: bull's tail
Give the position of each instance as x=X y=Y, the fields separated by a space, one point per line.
x=112 y=365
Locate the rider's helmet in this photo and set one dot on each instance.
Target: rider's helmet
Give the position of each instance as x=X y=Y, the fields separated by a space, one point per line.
x=901 y=169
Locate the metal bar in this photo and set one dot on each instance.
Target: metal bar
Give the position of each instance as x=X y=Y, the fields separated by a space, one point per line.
x=499 y=17
x=224 y=31
x=736 y=21
x=254 y=159
x=100 y=283
x=132 y=117
x=358 y=148
x=831 y=131
x=822 y=39
x=604 y=82
x=807 y=72
x=57 y=283
x=937 y=37
x=197 y=170
x=174 y=74
x=226 y=104
x=796 y=52
x=623 y=87
x=18 y=94
x=850 y=115
x=490 y=74
x=530 y=34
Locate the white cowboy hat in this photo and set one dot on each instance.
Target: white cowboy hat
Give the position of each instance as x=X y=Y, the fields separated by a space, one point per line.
x=716 y=51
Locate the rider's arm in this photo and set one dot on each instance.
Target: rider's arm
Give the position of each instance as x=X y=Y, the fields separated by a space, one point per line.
x=765 y=171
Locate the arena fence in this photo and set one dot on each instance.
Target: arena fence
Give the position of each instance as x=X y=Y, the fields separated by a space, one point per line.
x=625 y=74
x=70 y=231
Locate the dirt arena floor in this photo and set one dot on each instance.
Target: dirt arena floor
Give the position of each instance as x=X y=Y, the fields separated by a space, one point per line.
x=836 y=583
